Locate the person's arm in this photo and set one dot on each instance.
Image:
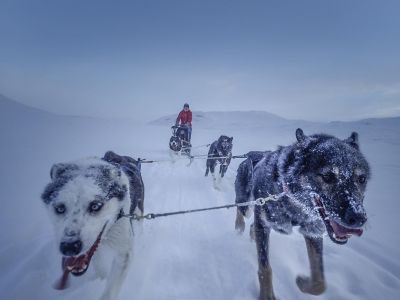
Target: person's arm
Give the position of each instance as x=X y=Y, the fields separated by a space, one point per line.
x=190 y=118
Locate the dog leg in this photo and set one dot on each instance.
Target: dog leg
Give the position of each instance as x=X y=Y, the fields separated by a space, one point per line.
x=119 y=239
x=314 y=285
x=216 y=182
x=239 y=223
x=212 y=169
x=252 y=233
x=264 y=267
x=116 y=277
x=98 y=265
x=222 y=170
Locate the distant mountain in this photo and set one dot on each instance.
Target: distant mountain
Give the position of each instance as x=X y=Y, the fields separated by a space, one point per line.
x=10 y=108
x=393 y=122
x=12 y=112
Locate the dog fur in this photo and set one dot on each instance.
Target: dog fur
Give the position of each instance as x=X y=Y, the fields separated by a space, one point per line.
x=220 y=151
x=323 y=180
x=86 y=200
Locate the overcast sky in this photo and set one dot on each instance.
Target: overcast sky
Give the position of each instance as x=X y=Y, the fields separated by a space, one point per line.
x=303 y=59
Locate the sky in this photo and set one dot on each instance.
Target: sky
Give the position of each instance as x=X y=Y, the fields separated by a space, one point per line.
x=315 y=60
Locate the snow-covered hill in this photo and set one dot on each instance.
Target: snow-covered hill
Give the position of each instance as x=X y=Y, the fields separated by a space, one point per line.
x=196 y=256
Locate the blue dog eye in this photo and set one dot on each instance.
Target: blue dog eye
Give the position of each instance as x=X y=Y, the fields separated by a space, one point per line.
x=60 y=209
x=95 y=206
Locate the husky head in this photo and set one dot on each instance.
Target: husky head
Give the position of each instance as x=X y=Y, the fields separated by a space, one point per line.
x=331 y=175
x=225 y=145
x=175 y=144
x=84 y=200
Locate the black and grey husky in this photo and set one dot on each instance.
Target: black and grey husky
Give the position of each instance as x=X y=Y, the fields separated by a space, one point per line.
x=220 y=152
x=86 y=200
x=321 y=181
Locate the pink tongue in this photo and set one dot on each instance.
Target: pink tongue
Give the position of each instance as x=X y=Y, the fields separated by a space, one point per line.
x=343 y=231
x=70 y=261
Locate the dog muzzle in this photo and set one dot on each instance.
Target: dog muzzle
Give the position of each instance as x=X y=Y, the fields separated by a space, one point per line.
x=77 y=265
x=338 y=233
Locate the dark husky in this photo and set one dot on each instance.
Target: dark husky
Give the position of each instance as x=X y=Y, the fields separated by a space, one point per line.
x=220 y=151
x=323 y=181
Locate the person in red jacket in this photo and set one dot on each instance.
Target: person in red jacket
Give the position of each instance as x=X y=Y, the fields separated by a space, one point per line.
x=185 y=118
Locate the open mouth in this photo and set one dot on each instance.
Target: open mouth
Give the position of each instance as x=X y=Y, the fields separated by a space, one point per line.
x=77 y=265
x=338 y=233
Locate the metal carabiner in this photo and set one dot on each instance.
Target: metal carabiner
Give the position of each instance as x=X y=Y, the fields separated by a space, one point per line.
x=260 y=201
x=148 y=216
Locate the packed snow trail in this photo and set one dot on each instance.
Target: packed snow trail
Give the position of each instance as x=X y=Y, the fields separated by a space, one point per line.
x=191 y=244
x=193 y=256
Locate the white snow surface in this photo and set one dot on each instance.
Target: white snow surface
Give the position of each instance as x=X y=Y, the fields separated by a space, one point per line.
x=194 y=256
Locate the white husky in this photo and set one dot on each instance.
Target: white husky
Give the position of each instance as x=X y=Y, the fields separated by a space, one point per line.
x=86 y=200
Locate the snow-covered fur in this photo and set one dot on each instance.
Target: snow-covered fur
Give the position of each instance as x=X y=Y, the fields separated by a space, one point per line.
x=220 y=152
x=324 y=180
x=86 y=200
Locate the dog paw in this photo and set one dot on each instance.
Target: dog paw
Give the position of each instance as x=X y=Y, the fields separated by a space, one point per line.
x=308 y=286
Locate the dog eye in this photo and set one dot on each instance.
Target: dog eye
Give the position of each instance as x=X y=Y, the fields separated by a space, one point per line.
x=95 y=206
x=362 y=179
x=329 y=177
x=60 y=209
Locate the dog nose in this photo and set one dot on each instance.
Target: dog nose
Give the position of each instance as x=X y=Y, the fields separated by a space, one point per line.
x=71 y=248
x=355 y=219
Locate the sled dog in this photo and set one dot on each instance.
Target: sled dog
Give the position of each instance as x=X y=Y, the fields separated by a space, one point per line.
x=322 y=181
x=86 y=201
x=220 y=151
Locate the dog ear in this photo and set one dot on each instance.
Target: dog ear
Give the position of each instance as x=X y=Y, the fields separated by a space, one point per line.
x=110 y=172
x=300 y=136
x=60 y=169
x=353 y=140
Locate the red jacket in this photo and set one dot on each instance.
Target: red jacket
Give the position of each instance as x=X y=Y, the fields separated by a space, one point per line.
x=185 y=117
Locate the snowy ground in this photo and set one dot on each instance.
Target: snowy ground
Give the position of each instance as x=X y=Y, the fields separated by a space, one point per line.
x=197 y=256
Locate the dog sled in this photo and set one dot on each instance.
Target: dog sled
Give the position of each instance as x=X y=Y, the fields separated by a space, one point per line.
x=179 y=143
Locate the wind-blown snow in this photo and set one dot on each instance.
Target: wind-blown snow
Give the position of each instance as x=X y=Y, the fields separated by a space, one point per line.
x=197 y=256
